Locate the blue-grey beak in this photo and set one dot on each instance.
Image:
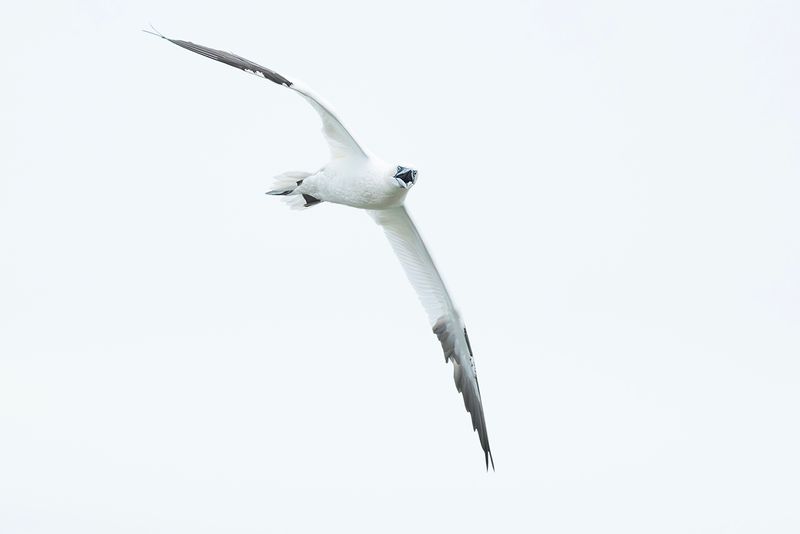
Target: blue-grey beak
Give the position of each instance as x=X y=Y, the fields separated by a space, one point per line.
x=405 y=177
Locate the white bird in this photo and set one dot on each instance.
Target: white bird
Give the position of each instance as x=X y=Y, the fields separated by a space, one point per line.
x=355 y=177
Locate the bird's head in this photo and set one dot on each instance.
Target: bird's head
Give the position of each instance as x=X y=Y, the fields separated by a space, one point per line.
x=405 y=177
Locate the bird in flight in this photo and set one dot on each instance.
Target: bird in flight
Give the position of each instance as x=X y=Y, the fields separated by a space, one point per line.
x=357 y=178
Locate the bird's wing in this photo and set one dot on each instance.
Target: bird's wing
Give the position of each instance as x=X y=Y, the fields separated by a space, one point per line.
x=340 y=141
x=446 y=322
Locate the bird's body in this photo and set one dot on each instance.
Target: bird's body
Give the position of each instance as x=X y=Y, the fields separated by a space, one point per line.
x=355 y=177
x=363 y=183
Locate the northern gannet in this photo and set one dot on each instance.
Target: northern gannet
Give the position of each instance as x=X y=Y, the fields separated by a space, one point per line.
x=357 y=178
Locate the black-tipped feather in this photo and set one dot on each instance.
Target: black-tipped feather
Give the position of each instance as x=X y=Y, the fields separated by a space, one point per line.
x=445 y=320
x=229 y=59
x=448 y=337
x=340 y=140
x=234 y=61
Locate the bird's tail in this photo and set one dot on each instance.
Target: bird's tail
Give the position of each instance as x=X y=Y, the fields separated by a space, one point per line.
x=286 y=185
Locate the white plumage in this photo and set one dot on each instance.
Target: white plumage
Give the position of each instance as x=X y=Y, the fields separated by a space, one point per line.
x=357 y=178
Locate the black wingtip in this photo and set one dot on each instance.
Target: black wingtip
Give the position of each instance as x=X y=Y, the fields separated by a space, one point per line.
x=488 y=454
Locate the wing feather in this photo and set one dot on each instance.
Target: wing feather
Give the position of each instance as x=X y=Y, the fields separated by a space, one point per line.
x=340 y=141
x=442 y=314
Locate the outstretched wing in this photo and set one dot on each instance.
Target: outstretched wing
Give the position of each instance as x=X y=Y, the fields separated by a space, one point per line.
x=446 y=322
x=340 y=141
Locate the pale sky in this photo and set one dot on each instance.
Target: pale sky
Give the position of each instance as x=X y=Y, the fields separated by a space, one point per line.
x=610 y=189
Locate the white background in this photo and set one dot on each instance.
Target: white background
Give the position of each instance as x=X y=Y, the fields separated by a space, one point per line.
x=611 y=190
